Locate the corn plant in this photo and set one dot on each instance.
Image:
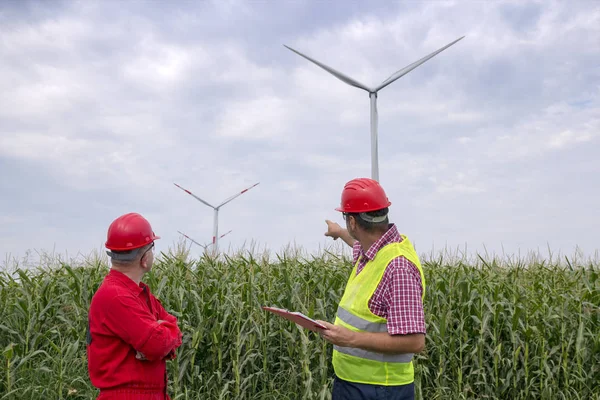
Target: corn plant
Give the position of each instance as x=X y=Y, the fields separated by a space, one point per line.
x=497 y=329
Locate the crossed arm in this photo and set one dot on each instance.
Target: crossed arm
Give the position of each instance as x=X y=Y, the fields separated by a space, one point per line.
x=154 y=339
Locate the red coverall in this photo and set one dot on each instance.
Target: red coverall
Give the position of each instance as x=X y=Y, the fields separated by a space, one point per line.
x=122 y=324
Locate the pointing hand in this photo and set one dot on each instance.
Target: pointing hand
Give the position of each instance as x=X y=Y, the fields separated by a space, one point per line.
x=334 y=230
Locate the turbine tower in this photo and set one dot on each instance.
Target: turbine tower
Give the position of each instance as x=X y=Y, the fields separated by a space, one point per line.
x=373 y=95
x=215 y=239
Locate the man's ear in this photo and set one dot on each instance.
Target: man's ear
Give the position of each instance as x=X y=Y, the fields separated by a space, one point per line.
x=144 y=261
x=352 y=222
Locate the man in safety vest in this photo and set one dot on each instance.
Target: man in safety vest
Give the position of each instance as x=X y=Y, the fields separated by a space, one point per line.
x=130 y=335
x=380 y=321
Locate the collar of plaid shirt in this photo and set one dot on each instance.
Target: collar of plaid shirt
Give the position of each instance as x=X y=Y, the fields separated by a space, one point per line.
x=390 y=236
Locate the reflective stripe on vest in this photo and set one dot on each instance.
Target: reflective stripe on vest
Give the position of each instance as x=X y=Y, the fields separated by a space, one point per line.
x=369 y=355
x=367 y=326
x=360 y=323
x=364 y=366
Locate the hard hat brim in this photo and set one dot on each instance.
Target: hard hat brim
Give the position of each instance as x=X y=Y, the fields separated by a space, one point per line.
x=367 y=209
x=116 y=248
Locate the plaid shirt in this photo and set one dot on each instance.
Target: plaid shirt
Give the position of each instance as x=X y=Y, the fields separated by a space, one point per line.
x=398 y=296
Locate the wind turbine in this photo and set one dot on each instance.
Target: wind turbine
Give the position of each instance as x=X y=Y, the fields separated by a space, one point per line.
x=204 y=246
x=373 y=95
x=215 y=239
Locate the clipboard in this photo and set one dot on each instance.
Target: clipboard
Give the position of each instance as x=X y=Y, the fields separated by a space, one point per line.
x=297 y=317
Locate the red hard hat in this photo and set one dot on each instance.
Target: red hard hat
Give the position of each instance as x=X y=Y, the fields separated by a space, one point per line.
x=128 y=232
x=363 y=195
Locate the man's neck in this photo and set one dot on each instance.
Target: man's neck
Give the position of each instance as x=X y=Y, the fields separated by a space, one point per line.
x=369 y=238
x=134 y=275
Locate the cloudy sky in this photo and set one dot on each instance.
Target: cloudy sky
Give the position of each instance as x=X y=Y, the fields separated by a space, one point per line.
x=104 y=105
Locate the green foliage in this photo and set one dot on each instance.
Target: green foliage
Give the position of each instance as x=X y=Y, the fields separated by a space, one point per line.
x=494 y=331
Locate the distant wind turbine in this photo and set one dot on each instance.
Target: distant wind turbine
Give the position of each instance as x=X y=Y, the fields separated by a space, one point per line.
x=215 y=239
x=204 y=246
x=373 y=95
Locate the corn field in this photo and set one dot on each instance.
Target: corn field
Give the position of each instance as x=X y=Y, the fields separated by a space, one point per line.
x=497 y=329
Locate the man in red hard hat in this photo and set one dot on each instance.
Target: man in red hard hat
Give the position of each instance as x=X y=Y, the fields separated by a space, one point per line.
x=130 y=335
x=380 y=321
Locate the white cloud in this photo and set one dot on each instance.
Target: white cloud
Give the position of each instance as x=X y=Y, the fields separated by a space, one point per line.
x=567 y=137
x=258 y=118
x=559 y=126
x=158 y=65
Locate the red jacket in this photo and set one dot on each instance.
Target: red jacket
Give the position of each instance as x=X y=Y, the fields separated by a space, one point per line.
x=122 y=321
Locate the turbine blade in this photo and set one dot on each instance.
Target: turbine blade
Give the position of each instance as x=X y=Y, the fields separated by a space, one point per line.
x=236 y=195
x=400 y=73
x=194 y=196
x=190 y=239
x=337 y=74
x=224 y=234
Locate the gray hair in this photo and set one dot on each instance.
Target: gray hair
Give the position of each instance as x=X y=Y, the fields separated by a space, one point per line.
x=128 y=256
x=373 y=220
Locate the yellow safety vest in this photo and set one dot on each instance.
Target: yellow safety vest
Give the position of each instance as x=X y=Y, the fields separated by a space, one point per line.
x=363 y=366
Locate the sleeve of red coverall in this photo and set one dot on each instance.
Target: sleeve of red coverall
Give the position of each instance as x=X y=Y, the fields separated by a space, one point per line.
x=133 y=323
x=165 y=316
